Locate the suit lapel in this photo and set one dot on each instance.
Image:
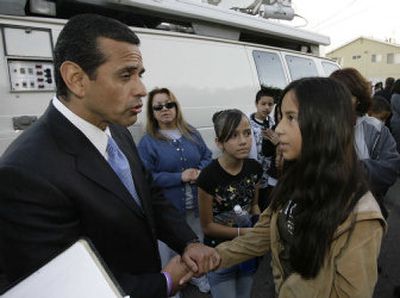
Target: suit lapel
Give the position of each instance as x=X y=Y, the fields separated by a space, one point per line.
x=99 y=171
x=89 y=162
x=128 y=147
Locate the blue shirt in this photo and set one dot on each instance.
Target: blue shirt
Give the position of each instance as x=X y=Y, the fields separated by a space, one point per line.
x=167 y=159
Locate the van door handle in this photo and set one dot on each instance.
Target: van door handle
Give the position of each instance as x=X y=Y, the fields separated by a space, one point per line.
x=23 y=122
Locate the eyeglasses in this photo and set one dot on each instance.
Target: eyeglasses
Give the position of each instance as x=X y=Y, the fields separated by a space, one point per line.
x=168 y=106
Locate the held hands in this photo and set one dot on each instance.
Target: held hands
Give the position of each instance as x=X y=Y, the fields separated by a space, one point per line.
x=190 y=175
x=177 y=269
x=200 y=259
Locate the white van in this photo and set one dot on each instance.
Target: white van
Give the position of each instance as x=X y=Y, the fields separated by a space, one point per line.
x=206 y=74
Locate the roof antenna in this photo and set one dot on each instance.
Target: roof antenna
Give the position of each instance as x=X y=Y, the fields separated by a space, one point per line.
x=269 y=9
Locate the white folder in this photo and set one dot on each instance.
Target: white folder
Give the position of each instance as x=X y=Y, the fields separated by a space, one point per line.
x=76 y=272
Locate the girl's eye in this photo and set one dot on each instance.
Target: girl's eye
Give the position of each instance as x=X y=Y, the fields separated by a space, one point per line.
x=247 y=133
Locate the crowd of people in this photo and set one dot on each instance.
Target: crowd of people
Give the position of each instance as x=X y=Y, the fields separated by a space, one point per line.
x=304 y=178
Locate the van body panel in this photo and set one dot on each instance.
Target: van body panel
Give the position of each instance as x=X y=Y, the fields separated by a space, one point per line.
x=206 y=74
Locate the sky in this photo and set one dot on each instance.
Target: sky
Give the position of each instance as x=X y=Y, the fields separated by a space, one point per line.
x=346 y=20
x=343 y=20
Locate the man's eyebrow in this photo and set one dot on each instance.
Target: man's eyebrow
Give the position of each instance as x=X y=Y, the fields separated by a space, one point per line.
x=132 y=69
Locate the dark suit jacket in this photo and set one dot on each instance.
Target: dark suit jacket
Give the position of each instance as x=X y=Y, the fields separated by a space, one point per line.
x=56 y=187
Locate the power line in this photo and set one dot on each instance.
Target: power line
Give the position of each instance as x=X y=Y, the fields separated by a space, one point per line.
x=334 y=15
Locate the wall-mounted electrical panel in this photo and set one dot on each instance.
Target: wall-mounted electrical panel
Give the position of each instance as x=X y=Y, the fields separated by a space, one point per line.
x=28 y=75
x=29 y=55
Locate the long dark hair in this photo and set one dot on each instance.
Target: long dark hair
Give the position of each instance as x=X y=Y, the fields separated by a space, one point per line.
x=325 y=181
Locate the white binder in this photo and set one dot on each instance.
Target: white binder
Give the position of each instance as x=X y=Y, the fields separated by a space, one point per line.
x=76 y=272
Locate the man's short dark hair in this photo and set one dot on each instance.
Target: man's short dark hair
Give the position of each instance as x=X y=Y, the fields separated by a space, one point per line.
x=389 y=82
x=77 y=42
x=378 y=85
x=380 y=104
x=275 y=93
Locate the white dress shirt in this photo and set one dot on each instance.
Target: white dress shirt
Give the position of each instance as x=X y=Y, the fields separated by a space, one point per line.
x=96 y=136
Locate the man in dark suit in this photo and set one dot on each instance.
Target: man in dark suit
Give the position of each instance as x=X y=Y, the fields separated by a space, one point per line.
x=59 y=181
x=387 y=91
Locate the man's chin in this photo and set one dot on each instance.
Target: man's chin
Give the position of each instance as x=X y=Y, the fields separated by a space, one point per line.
x=132 y=120
x=127 y=121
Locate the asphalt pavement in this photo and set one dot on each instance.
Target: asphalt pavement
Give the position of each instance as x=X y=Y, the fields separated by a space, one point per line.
x=389 y=259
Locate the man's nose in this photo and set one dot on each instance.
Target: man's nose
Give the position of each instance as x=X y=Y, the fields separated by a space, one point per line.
x=139 y=88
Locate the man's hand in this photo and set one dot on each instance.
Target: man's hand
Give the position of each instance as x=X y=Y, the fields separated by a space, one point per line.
x=200 y=259
x=177 y=270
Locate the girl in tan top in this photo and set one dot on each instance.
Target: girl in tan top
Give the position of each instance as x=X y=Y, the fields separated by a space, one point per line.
x=324 y=228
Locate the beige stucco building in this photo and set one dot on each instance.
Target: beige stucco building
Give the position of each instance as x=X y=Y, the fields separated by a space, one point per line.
x=376 y=60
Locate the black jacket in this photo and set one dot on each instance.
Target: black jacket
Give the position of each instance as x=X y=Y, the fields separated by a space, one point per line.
x=56 y=187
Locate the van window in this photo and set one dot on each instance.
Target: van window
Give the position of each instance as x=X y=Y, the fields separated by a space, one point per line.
x=329 y=67
x=300 y=67
x=269 y=69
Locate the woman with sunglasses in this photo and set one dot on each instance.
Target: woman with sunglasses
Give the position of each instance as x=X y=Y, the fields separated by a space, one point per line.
x=175 y=153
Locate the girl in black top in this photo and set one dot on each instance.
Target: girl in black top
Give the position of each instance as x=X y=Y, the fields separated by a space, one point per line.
x=231 y=179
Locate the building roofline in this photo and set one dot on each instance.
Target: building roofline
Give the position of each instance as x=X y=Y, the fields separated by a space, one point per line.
x=364 y=37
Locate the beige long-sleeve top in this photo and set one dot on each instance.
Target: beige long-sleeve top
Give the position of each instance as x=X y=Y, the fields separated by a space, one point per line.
x=350 y=267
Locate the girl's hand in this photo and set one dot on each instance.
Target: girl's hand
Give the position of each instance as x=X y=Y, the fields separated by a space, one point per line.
x=190 y=175
x=271 y=135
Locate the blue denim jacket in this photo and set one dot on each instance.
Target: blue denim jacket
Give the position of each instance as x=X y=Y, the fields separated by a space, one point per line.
x=167 y=159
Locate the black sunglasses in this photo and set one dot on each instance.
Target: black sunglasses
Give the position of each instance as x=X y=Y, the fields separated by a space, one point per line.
x=168 y=105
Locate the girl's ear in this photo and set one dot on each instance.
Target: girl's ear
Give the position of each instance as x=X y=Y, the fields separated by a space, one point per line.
x=219 y=144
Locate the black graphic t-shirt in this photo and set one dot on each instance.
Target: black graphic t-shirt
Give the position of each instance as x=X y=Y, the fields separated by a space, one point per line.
x=286 y=230
x=230 y=190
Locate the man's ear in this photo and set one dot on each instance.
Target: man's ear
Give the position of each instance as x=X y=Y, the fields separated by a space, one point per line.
x=74 y=77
